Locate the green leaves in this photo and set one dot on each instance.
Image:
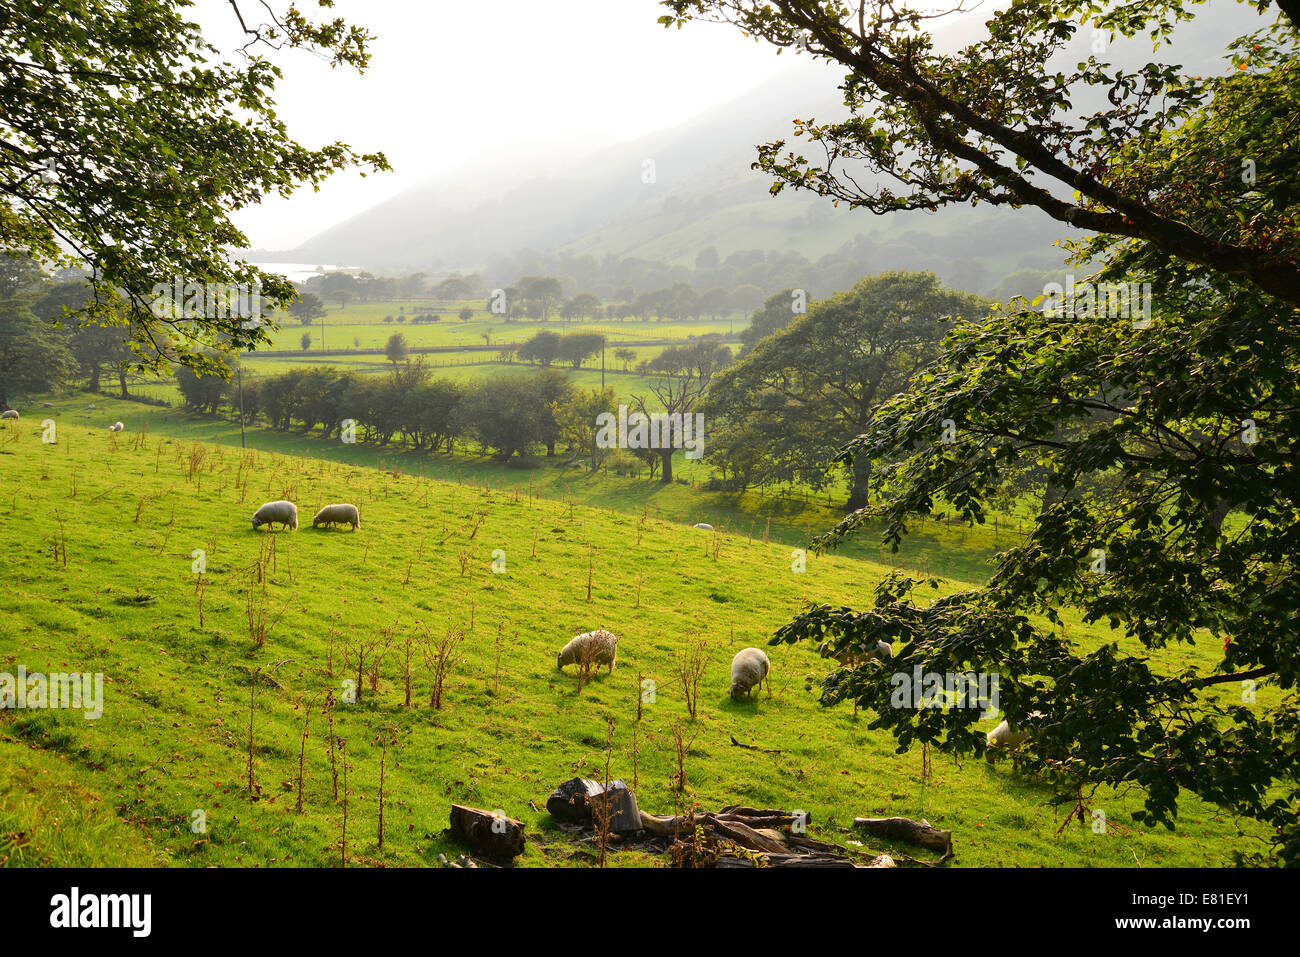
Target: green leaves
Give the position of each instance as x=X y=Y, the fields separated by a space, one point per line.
x=154 y=141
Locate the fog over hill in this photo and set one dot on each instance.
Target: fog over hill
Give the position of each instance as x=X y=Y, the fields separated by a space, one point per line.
x=669 y=195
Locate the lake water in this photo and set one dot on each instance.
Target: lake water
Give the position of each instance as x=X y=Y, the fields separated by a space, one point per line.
x=299 y=272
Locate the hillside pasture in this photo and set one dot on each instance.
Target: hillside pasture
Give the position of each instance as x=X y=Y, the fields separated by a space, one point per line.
x=101 y=530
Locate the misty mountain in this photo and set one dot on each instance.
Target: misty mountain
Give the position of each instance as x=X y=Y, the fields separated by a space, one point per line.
x=667 y=196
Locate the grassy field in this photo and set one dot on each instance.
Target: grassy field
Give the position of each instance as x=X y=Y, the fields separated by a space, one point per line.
x=361 y=325
x=790 y=516
x=99 y=531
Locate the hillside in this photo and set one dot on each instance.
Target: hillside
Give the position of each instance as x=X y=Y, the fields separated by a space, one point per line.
x=100 y=530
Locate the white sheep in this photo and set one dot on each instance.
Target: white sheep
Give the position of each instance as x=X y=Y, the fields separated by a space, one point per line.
x=9 y=414
x=853 y=656
x=748 y=669
x=338 y=515
x=281 y=512
x=598 y=647
x=704 y=525
x=1002 y=738
x=116 y=427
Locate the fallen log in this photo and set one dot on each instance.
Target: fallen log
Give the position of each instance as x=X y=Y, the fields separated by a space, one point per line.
x=756 y=818
x=495 y=836
x=745 y=836
x=750 y=747
x=905 y=829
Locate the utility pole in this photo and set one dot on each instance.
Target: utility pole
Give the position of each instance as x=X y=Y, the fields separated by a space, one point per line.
x=602 y=367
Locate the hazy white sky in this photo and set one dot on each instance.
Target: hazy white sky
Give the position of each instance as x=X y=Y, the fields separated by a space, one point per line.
x=450 y=79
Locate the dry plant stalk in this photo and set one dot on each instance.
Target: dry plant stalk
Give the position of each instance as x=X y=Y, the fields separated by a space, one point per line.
x=601 y=813
x=252 y=689
x=691 y=664
x=302 y=749
x=334 y=767
x=441 y=656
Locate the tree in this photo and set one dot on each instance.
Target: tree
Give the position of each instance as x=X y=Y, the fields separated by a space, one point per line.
x=33 y=356
x=680 y=377
x=543 y=348
x=1191 y=416
x=988 y=124
x=747 y=298
x=625 y=355
x=577 y=347
x=540 y=295
x=584 y=305
x=714 y=302
x=305 y=341
x=576 y=419
x=777 y=313
x=307 y=307
x=397 y=348
x=414 y=286
x=815 y=385
x=202 y=392
x=95 y=348
x=102 y=166
x=504 y=414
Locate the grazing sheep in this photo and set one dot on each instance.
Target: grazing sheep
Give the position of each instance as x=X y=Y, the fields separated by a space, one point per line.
x=116 y=427
x=853 y=656
x=748 y=669
x=1002 y=738
x=9 y=414
x=598 y=647
x=338 y=515
x=281 y=512
x=703 y=525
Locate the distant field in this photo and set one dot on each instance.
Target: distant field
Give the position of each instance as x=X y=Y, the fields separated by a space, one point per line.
x=362 y=326
x=128 y=514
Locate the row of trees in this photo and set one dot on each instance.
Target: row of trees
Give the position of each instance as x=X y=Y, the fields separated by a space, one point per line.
x=508 y=415
x=542 y=297
x=344 y=287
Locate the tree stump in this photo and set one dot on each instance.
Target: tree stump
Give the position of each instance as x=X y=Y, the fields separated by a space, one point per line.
x=494 y=836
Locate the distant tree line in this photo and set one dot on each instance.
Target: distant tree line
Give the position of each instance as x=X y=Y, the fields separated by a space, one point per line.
x=508 y=415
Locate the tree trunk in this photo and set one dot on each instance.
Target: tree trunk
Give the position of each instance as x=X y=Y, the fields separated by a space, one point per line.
x=121 y=381
x=666 y=456
x=94 y=379
x=861 y=483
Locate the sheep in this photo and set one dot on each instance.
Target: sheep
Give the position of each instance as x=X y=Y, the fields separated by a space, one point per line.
x=338 y=515
x=704 y=525
x=598 y=647
x=116 y=427
x=9 y=414
x=748 y=669
x=853 y=656
x=1002 y=738
x=282 y=512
